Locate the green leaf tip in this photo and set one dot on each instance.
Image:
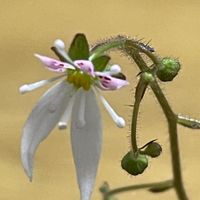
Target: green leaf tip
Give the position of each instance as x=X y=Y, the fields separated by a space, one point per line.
x=101 y=62
x=79 y=48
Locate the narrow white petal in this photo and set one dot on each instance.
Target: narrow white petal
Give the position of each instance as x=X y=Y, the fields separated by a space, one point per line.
x=120 y=122
x=86 y=142
x=60 y=46
x=42 y=120
x=32 y=86
x=67 y=114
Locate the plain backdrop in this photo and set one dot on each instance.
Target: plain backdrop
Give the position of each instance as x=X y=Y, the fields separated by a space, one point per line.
x=31 y=26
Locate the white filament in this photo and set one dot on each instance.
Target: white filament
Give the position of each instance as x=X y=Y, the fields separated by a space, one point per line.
x=58 y=43
x=67 y=114
x=60 y=46
x=120 y=122
x=32 y=86
x=115 y=69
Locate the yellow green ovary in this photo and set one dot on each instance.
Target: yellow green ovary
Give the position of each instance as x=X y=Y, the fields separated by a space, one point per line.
x=80 y=79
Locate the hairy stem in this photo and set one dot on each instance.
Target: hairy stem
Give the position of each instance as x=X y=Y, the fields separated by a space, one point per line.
x=172 y=123
x=139 y=93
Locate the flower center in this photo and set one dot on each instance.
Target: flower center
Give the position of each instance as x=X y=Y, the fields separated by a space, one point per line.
x=79 y=79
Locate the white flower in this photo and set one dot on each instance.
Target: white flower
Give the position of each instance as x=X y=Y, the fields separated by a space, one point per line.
x=72 y=98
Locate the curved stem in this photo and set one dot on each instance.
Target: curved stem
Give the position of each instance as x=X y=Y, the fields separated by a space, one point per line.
x=131 y=45
x=139 y=93
x=106 y=45
x=172 y=123
x=124 y=44
x=167 y=184
x=134 y=54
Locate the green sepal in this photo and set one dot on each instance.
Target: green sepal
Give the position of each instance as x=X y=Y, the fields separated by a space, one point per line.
x=119 y=76
x=101 y=62
x=134 y=164
x=79 y=48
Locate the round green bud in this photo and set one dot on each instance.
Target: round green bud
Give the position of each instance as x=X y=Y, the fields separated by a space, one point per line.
x=153 y=150
x=148 y=77
x=134 y=165
x=168 y=69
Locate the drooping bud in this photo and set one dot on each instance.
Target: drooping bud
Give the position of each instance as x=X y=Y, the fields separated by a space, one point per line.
x=134 y=164
x=153 y=150
x=104 y=188
x=168 y=69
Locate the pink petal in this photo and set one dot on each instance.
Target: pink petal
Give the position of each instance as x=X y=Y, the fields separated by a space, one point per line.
x=86 y=66
x=107 y=82
x=54 y=65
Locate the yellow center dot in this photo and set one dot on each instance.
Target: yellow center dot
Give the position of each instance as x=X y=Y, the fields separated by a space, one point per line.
x=79 y=79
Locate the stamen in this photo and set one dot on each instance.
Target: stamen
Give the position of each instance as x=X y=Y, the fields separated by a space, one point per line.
x=67 y=114
x=60 y=46
x=81 y=116
x=115 y=69
x=120 y=122
x=30 y=87
x=58 y=43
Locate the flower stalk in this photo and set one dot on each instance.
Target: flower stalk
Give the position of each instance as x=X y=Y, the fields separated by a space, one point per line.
x=139 y=93
x=174 y=146
x=164 y=184
x=134 y=49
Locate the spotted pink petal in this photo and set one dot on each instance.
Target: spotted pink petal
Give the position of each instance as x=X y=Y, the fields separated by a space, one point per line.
x=107 y=82
x=85 y=66
x=54 y=65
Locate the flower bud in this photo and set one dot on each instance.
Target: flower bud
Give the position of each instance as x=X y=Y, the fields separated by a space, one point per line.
x=168 y=69
x=134 y=164
x=153 y=150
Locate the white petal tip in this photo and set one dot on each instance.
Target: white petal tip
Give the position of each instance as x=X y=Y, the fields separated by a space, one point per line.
x=120 y=122
x=58 y=43
x=29 y=174
x=24 y=89
x=41 y=58
x=62 y=125
x=30 y=178
x=36 y=55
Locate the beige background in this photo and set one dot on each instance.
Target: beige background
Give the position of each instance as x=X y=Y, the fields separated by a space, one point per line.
x=28 y=26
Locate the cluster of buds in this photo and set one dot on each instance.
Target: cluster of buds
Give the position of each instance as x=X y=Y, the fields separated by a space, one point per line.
x=136 y=163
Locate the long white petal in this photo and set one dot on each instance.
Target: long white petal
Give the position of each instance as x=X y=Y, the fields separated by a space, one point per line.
x=86 y=141
x=42 y=120
x=32 y=86
x=120 y=122
x=67 y=114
